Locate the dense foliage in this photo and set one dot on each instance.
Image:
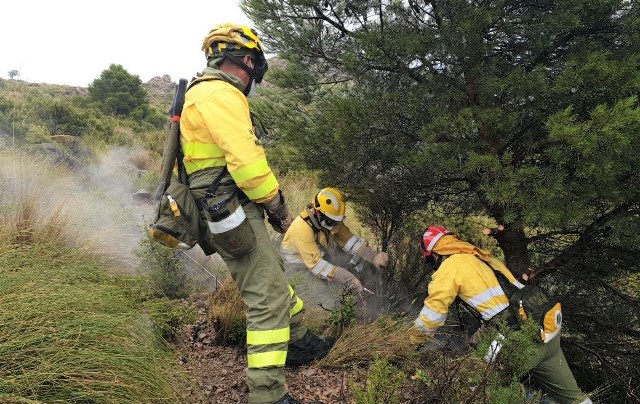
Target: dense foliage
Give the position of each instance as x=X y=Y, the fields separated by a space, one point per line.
x=522 y=113
x=119 y=92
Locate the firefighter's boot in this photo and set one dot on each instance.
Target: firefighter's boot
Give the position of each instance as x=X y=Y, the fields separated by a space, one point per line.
x=307 y=349
x=287 y=399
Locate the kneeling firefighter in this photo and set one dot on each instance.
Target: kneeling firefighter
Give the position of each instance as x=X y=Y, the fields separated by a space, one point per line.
x=234 y=186
x=469 y=273
x=315 y=240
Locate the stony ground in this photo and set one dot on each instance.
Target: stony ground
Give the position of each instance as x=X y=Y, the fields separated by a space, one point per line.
x=218 y=373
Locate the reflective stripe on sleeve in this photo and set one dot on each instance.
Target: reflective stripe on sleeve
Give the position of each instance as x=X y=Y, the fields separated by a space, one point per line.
x=353 y=245
x=428 y=320
x=266 y=359
x=433 y=316
x=265 y=337
x=251 y=171
x=323 y=268
x=422 y=327
x=291 y=257
x=264 y=189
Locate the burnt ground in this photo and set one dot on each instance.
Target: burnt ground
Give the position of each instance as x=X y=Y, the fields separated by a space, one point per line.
x=217 y=373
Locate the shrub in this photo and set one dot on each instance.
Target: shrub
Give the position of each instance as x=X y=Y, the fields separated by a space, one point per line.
x=344 y=314
x=383 y=382
x=119 y=93
x=165 y=269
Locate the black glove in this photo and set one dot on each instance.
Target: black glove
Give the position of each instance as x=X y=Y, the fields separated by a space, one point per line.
x=278 y=213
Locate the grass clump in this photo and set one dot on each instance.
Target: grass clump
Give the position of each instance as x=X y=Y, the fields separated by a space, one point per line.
x=71 y=328
x=228 y=314
x=70 y=333
x=169 y=316
x=385 y=338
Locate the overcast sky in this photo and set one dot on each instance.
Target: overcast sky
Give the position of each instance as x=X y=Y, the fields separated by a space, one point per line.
x=71 y=42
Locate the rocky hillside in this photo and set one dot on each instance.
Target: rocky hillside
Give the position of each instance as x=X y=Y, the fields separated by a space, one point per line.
x=160 y=91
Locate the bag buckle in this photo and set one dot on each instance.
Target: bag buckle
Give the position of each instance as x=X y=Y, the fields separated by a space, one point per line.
x=174 y=205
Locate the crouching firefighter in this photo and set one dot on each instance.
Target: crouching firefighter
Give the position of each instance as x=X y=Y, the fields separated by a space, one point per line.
x=465 y=271
x=320 y=247
x=234 y=186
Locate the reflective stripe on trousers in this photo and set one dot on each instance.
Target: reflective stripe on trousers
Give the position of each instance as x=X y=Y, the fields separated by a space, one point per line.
x=264 y=289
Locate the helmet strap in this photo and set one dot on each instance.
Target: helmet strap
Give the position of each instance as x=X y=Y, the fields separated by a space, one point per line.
x=252 y=72
x=311 y=213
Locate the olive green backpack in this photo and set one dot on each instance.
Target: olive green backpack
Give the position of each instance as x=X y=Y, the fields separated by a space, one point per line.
x=178 y=222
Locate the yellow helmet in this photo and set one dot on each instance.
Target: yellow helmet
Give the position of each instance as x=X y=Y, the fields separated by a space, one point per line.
x=226 y=38
x=229 y=37
x=330 y=202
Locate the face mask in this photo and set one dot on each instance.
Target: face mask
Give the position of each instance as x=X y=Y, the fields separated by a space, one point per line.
x=430 y=265
x=326 y=226
x=438 y=261
x=252 y=88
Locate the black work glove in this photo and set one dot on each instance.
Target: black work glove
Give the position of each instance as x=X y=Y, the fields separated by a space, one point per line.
x=278 y=213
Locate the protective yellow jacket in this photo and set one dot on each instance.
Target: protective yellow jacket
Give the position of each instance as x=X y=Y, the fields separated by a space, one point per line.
x=216 y=129
x=304 y=244
x=469 y=277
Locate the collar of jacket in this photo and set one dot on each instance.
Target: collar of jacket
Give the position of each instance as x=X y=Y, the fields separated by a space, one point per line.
x=211 y=73
x=308 y=217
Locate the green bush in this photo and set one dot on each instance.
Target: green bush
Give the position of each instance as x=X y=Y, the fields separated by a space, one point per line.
x=382 y=385
x=345 y=313
x=165 y=269
x=119 y=93
x=518 y=351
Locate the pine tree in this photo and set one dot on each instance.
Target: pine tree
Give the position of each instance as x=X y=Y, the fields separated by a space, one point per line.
x=120 y=93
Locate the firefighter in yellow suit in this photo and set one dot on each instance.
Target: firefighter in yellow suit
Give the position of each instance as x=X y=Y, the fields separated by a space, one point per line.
x=464 y=270
x=218 y=141
x=314 y=236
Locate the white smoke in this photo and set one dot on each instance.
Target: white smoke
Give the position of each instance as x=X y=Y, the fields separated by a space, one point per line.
x=96 y=199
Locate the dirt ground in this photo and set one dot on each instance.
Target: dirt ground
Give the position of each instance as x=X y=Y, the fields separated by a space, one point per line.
x=217 y=373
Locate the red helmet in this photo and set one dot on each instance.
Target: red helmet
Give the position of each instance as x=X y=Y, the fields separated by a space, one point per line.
x=431 y=237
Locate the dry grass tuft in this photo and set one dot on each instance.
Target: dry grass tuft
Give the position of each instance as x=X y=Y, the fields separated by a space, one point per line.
x=23 y=222
x=140 y=159
x=364 y=342
x=227 y=313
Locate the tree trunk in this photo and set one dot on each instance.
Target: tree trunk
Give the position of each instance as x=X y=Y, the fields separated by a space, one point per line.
x=514 y=245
